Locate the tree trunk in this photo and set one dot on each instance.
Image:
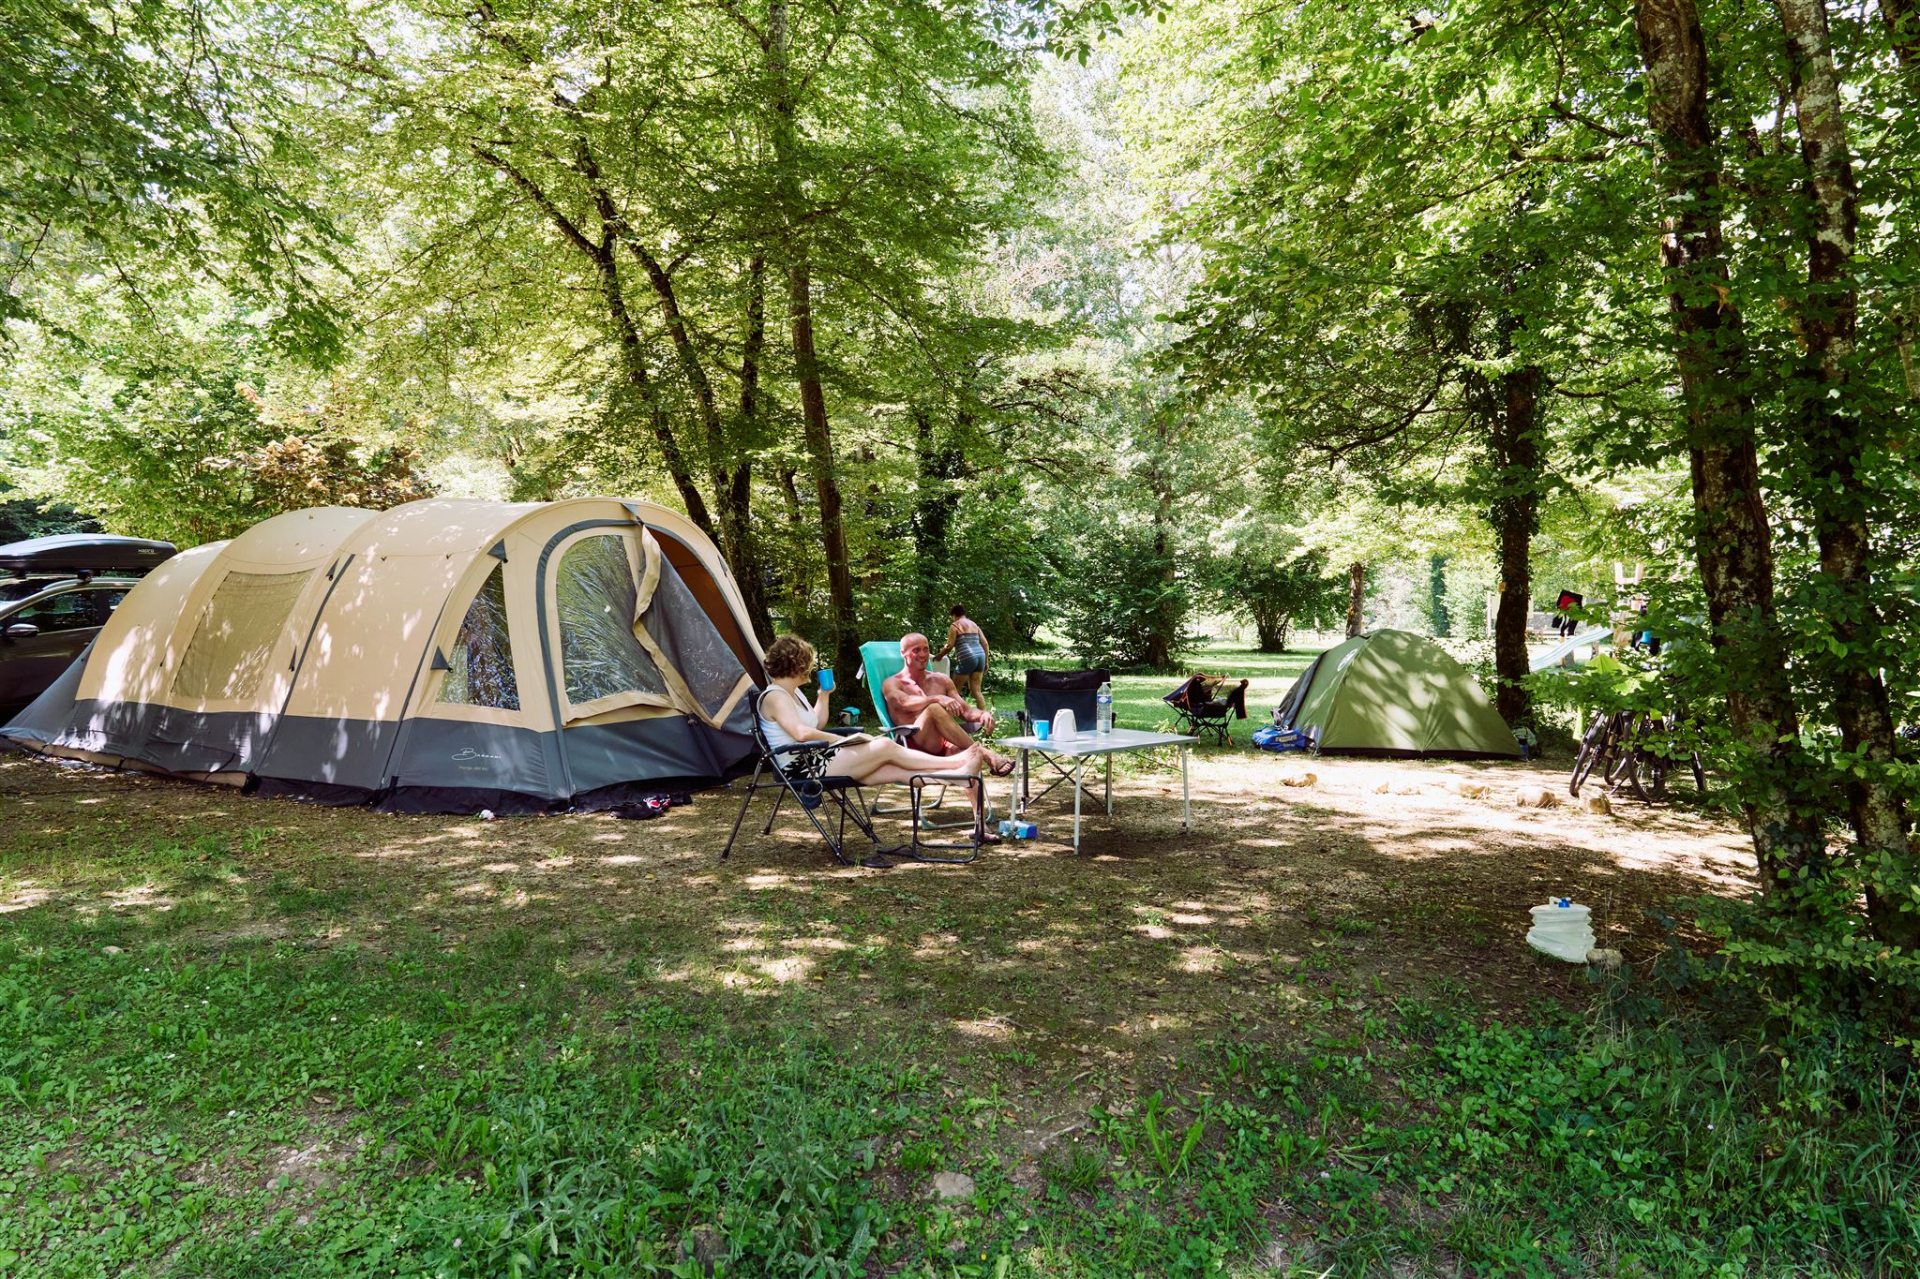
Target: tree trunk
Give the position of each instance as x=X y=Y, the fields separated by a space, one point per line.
x=1903 y=30
x=844 y=642
x=1516 y=455
x=1835 y=438
x=935 y=500
x=1270 y=626
x=1356 y=598
x=736 y=502
x=1437 y=596
x=1733 y=540
x=633 y=362
x=1163 y=622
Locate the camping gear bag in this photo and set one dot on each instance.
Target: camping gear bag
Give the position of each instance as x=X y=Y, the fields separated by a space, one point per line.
x=1280 y=740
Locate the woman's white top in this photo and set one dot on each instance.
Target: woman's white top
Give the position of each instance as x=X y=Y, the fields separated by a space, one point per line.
x=777 y=736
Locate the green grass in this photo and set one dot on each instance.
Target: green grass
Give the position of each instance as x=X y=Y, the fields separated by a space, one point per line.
x=248 y=1039
x=271 y=1109
x=1137 y=698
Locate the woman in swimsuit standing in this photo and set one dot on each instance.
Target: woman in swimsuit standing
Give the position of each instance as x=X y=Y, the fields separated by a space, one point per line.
x=968 y=644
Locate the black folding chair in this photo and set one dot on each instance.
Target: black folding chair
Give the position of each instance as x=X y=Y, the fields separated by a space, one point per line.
x=1049 y=693
x=799 y=772
x=1202 y=712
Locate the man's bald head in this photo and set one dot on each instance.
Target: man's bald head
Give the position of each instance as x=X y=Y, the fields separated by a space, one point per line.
x=916 y=652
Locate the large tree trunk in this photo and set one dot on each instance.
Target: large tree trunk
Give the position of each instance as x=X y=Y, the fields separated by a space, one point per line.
x=1356 y=598
x=1733 y=540
x=736 y=502
x=1835 y=437
x=1270 y=626
x=844 y=642
x=1516 y=515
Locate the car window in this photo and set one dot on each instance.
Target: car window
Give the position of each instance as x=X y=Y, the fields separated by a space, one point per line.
x=20 y=588
x=67 y=611
x=104 y=602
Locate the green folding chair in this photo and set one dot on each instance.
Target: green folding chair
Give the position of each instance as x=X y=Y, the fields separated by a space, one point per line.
x=880 y=661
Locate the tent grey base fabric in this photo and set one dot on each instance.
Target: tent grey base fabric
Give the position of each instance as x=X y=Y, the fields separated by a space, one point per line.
x=454 y=799
x=454 y=768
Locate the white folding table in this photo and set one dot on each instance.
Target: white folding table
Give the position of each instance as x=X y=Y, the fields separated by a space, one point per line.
x=1087 y=745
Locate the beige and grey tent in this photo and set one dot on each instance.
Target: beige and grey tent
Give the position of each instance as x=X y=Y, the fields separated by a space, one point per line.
x=441 y=656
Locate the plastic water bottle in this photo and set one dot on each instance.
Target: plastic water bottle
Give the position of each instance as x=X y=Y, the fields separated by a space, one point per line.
x=1563 y=930
x=1103 y=710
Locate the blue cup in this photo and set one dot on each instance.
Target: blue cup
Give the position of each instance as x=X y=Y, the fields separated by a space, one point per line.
x=825 y=679
x=1043 y=730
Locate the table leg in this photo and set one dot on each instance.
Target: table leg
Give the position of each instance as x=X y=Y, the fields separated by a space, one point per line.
x=1109 y=785
x=1020 y=796
x=1186 y=803
x=1079 y=766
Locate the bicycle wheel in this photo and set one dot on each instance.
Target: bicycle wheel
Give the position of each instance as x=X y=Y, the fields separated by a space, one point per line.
x=1589 y=756
x=1650 y=775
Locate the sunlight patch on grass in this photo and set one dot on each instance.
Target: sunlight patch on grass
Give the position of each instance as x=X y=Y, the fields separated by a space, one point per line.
x=993 y=1029
x=141 y=897
x=25 y=897
x=762 y=881
x=1202 y=959
x=786 y=968
x=817 y=943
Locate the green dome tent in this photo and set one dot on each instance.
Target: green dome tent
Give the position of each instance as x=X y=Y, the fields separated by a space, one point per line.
x=1394 y=693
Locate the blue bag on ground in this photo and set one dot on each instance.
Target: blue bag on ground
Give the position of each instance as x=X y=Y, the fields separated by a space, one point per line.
x=1269 y=738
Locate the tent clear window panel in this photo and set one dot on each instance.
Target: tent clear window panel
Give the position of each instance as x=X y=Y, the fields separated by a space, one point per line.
x=596 y=595
x=692 y=643
x=233 y=645
x=481 y=665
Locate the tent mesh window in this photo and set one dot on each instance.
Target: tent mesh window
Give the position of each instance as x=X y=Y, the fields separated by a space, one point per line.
x=691 y=642
x=233 y=644
x=481 y=663
x=596 y=596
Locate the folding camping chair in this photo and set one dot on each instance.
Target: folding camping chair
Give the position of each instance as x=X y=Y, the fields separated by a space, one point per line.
x=1202 y=712
x=1049 y=693
x=830 y=803
x=880 y=661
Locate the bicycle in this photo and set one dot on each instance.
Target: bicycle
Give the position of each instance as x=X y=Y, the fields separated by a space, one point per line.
x=1635 y=750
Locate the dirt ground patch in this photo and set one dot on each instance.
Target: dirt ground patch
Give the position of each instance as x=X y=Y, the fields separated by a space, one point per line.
x=1402 y=876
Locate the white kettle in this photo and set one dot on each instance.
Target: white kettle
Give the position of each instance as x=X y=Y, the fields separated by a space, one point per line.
x=1064 y=727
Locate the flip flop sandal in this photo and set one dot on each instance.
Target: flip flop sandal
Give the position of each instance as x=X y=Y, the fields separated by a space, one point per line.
x=1003 y=769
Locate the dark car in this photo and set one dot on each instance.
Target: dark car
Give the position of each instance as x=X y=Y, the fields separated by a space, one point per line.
x=58 y=593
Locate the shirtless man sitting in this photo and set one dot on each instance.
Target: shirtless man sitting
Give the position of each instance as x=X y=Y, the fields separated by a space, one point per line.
x=942 y=722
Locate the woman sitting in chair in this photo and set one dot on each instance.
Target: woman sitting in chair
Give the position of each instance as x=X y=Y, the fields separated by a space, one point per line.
x=787 y=718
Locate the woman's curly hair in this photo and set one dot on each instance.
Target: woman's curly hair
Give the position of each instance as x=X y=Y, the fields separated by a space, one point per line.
x=787 y=656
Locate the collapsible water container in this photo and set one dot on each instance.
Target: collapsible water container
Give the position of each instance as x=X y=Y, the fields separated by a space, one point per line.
x=1064 y=727
x=1563 y=930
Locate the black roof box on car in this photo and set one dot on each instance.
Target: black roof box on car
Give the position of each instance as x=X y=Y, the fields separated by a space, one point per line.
x=83 y=553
